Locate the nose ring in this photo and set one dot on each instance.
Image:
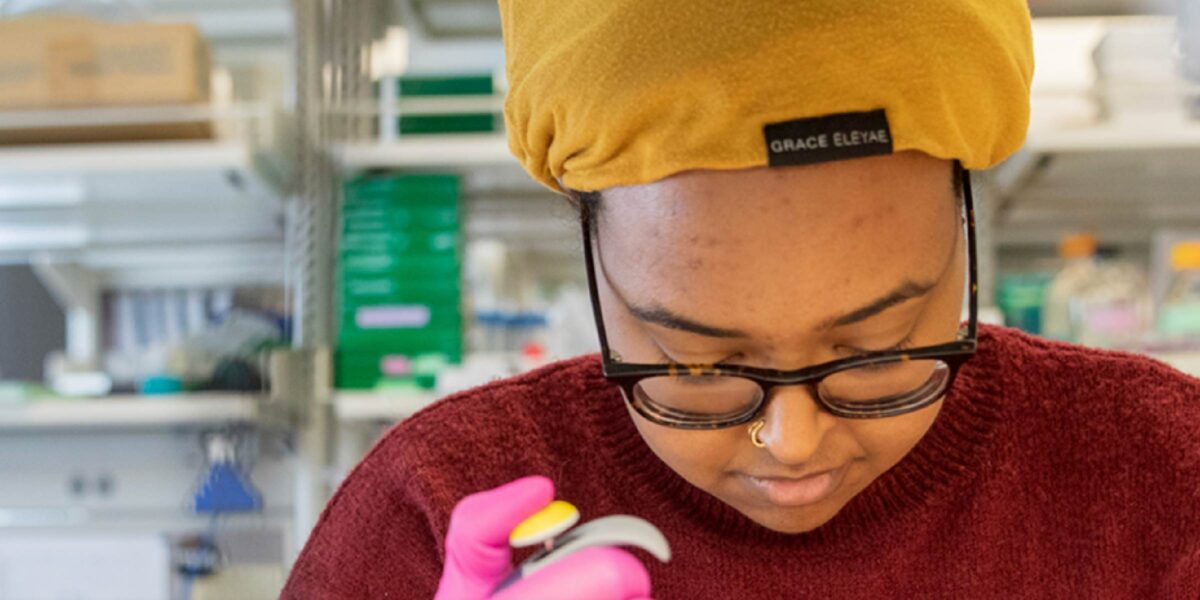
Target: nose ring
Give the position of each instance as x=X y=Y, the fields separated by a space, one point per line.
x=754 y=429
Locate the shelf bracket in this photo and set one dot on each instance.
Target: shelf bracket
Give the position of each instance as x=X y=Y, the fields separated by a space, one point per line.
x=77 y=291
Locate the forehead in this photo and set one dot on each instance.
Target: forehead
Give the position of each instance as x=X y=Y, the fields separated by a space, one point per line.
x=752 y=246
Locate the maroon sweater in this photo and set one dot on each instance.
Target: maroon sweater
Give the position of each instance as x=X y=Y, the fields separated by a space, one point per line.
x=1052 y=471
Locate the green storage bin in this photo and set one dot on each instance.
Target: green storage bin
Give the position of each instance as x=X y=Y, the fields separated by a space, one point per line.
x=448 y=123
x=445 y=85
x=369 y=368
x=358 y=369
x=382 y=199
x=414 y=189
x=448 y=341
x=423 y=313
x=379 y=323
x=398 y=277
x=399 y=218
x=410 y=244
x=410 y=86
x=362 y=290
x=354 y=263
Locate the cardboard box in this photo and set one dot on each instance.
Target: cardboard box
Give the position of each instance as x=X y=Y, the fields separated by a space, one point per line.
x=52 y=67
x=57 y=62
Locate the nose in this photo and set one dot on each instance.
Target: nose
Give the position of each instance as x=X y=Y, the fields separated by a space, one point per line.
x=795 y=425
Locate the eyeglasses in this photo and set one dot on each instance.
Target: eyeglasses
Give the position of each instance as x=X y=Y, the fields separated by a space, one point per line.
x=868 y=386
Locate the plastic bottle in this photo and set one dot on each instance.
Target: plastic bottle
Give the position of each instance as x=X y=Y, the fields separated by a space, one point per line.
x=1180 y=312
x=1078 y=252
x=1115 y=309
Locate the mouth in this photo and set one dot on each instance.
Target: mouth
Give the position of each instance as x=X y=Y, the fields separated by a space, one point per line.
x=791 y=492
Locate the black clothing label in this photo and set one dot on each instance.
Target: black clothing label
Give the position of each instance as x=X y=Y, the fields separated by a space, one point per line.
x=832 y=137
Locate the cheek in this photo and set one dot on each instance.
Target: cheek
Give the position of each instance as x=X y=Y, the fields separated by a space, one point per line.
x=886 y=441
x=699 y=456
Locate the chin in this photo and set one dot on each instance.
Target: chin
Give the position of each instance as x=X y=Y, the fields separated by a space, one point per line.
x=792 y=521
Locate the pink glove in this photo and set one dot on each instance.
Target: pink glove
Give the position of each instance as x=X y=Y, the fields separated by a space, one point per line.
x=478 y=557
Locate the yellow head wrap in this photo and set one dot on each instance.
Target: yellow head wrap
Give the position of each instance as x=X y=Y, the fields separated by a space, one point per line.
x=606 y=93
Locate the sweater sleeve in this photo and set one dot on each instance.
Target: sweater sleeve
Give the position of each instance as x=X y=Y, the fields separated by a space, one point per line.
x=1120 y=436
x=1183 y=581
x=382 y=535
x=373 y=540
x=1173 y=402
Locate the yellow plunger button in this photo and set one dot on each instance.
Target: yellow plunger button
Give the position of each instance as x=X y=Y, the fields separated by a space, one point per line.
x=544 y=525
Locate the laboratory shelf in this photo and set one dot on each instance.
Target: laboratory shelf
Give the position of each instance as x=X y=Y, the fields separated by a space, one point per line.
x=89 y=202
x=441 y=105
x=1165 y=132
x=66 y=175
x=148 y=213
x=426 y=151
x=124 y=157
x=122 y=412
x=374 y=406
x=234 y=162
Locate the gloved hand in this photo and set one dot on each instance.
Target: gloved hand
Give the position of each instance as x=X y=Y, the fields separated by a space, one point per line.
x=478 y=557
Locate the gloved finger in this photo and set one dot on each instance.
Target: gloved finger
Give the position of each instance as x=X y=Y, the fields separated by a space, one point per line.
x=477 y=538
x=602 y=573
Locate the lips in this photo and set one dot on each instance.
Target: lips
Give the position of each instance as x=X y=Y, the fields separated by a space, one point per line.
x=794 y=492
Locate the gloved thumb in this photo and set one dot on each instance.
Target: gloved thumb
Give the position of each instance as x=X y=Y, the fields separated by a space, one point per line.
x=478 y=556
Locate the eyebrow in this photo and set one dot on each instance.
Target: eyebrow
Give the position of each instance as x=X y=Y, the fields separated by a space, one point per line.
x=907 y=290
x=666 y=318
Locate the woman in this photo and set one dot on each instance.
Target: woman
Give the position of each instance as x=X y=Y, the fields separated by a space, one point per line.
x=778 y=192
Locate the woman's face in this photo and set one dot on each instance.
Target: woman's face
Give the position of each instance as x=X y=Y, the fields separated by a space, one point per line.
x=784 y=268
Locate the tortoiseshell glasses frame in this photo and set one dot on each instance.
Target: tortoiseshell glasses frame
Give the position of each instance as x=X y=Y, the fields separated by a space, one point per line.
x=948 y=357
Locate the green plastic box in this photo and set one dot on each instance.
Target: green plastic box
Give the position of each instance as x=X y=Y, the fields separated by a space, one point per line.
x=446 y=340
x=368 y=369
x=399 y=270
x=356 y=262
x=419 y=244
x=445 y=85
x=362 y=290
x=399 y=218
x=410 y=189
x=451 y=123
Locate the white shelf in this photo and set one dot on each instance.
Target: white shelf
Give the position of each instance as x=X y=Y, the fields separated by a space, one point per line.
x=72 y=174
x=423 y=151
x=1107 y=84
x=442 y=105
x=1168 y=132
x=182 y=155
x=115 y=206
x=379 y=406
x=83 y=187
x=129 y=412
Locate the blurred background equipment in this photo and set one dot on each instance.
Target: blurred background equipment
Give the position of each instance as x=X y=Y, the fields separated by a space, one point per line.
x=144 y=193
x=241 y=238
x=1180 y=313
